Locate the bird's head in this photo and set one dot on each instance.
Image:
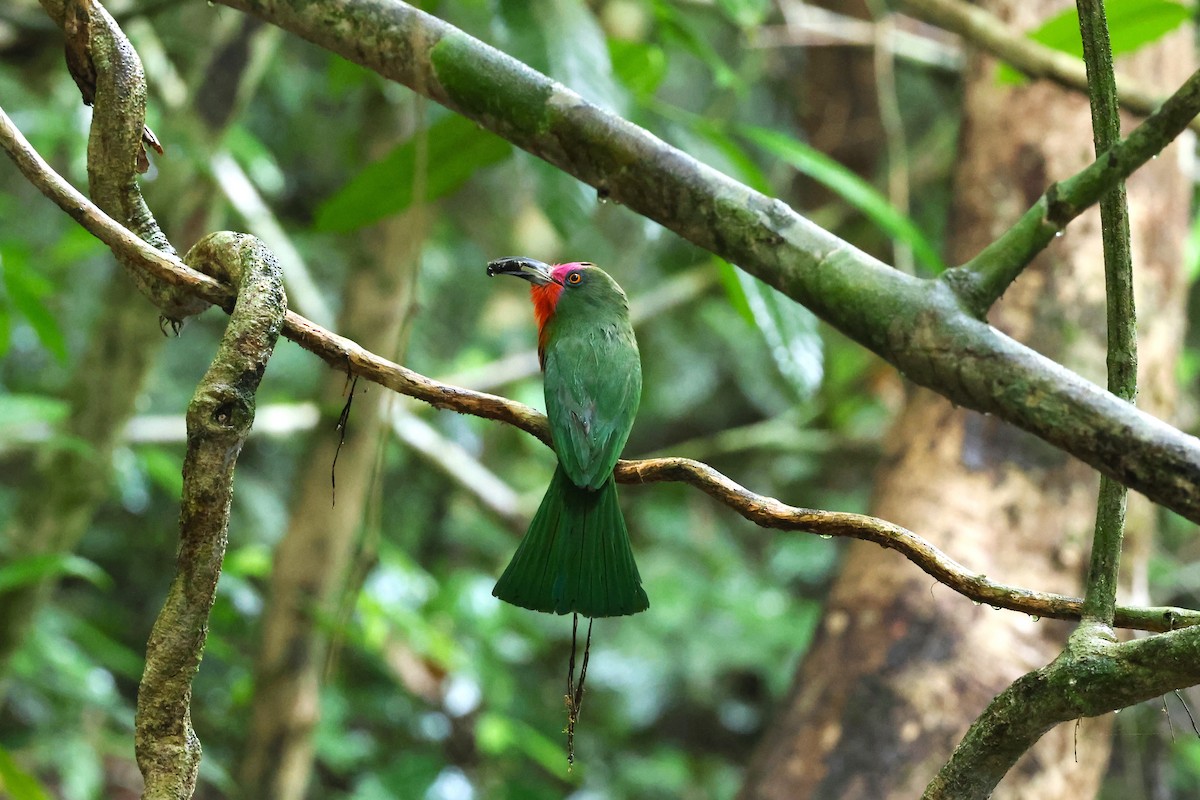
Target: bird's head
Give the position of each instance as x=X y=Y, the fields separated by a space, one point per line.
x=581 y=281
x=579 y=285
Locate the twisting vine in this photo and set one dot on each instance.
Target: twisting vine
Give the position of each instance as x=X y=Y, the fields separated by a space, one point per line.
x=218 y=421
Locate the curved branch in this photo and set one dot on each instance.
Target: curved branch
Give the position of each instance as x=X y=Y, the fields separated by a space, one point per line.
x=110 y=75
x=218 y=420
x=1093 y=676
x=106 y=380
x=922 y=327
x=768 y=512
x=346 y=355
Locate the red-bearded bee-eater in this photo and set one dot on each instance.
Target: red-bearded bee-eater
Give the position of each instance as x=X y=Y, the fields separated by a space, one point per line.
x=576 y=556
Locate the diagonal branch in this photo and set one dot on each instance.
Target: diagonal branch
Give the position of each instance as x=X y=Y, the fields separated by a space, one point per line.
x=922 y=327
x=344 y=354
x=982 y=280
x=983 y=29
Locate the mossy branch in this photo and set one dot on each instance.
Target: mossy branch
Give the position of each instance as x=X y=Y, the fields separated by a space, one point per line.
x=982 y=280
x=109 y=74
x=1093 y=676
x=346 y=355
x=218 y=422
x=1101 y=595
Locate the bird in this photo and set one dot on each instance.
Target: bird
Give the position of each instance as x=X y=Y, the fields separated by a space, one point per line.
x=576 y=556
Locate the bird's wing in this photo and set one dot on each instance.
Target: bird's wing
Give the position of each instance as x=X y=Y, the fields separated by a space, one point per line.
x=593 y=386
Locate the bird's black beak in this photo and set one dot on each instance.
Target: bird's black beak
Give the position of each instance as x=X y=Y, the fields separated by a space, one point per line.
x=532 y=270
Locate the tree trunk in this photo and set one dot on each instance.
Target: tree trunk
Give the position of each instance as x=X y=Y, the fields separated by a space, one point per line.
x=902 y=665
x=312 y=559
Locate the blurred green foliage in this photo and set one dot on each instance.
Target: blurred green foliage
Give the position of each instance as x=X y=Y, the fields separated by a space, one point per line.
x=736 y=376
x=1132 y=24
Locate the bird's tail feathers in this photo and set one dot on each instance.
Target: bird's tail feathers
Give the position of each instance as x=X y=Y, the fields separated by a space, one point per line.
x=576 y=556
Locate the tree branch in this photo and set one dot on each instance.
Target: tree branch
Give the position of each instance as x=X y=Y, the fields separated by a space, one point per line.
x=985 y=30
x=1093 y=676
x=109 y=74
x=1104 y=571
x=346 y=355
x=982 y=280
x=218 y=420
x=768 y=512
x=920 y=326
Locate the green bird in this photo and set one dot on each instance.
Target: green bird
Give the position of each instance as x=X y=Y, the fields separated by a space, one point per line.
x=576 y=555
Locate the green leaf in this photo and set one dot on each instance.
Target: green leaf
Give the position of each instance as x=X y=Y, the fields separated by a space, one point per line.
x=16 y=783
x=249 y=561
x=74 y=245
x=257 y=159
x=99 y=646
x=791 y=333
x=851 y=188
x=578 y=51
x=1191 y=251
x=24 y=571
x=163 y=467
x=345 y=76
x=25 y=289
x=745 y=14
x=1131 y=24
x=789 y=330
x=407 y=775
x=732 y=284
x=456 y=149
x=5 y=327
x=641 y=67
x=677 y=28
x=566 y=201
x=496 y=734
x=24 y=416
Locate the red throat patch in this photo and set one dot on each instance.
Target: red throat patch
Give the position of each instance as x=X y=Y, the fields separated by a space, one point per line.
x=545 y=298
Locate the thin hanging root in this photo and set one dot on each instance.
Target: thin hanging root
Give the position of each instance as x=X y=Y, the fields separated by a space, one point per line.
x=342 y=423
x=574 y=698
x=1188 y=711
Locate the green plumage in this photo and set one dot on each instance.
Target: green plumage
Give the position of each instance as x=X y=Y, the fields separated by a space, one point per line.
x=576 y=556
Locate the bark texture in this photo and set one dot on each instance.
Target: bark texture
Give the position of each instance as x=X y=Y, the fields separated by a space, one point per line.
x=901 y=666
x=219 y=418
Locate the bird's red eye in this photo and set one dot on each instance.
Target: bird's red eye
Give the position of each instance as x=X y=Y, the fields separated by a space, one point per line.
x=574 y=278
